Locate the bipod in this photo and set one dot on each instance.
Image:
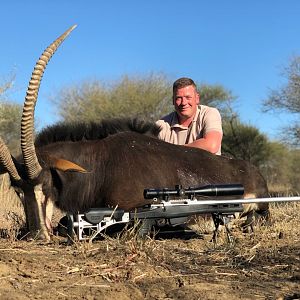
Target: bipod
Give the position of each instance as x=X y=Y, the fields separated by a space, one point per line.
x=220 y=219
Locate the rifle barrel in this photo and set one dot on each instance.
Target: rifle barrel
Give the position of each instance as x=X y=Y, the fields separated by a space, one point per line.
x=251 y=200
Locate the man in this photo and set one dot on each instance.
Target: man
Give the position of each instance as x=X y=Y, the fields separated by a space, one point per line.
x=191 y=124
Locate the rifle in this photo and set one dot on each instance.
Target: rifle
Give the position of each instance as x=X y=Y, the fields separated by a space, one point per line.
x=174 y=205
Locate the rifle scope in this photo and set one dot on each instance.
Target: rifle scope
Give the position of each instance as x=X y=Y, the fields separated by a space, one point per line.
x=207 y=190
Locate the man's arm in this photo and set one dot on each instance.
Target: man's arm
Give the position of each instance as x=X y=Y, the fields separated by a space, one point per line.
x=210 y=142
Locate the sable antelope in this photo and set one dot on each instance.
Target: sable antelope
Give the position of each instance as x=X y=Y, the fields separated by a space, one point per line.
x=80 y=166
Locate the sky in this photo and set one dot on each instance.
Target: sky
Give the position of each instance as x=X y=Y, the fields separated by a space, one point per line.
x=241 y=45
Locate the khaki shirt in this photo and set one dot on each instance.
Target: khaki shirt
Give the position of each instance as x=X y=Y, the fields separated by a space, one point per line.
x=206 y=119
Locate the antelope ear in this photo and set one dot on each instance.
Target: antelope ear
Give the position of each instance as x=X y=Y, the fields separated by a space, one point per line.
x=67 y=166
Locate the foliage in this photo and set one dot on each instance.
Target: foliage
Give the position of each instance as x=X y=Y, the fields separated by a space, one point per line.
x=287 y=98
x=148 y=98
x=294 y=174
x=244 y=142
x=6 y=85
x=217 y=96
x=276 y=169
x=279 y=163
x=282 y=169
x=10 y=116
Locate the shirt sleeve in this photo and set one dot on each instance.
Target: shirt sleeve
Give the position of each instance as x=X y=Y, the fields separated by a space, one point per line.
x=162 y=125
x=212 y=121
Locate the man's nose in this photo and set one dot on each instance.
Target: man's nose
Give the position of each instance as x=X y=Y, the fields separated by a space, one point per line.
x=183 y=101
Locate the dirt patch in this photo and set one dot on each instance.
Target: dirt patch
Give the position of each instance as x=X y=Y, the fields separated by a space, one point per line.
x=57 y=272
x=260 y=266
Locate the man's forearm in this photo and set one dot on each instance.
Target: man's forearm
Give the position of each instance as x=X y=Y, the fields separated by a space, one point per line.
x=211 y=142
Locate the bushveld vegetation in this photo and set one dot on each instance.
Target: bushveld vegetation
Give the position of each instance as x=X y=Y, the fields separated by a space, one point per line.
x=264 y=264
x=150 y=97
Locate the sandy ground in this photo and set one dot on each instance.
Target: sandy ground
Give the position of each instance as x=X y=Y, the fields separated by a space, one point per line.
x=255 y=267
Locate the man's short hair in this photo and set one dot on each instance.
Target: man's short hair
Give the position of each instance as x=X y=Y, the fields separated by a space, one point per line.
x=183 y=82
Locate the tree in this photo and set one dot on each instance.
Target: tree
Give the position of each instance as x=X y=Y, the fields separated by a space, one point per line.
x=217 y=96
x=287 y=98
x=6 y=85
x=294 y=170
x=10 y=116
x=282 y=169
x=147 y=97
x=277 y=168
x=244 y=142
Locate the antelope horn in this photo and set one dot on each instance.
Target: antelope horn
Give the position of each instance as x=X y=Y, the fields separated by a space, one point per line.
x=33 y=168
x=7 y=162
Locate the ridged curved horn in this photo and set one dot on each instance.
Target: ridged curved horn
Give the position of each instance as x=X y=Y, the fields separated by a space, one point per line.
x=33 y=168
x=7 y=162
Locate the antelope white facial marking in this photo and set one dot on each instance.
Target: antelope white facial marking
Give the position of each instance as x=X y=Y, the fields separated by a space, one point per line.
x=49 y=214
x=40 y=199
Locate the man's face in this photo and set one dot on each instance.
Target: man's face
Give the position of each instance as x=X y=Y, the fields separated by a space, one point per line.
x=185 y=101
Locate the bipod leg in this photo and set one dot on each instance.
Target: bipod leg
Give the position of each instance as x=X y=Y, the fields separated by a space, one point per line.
x=219 y=219
x=145 y=228
x=217 y=222
x=230 y=237
x=70 y=229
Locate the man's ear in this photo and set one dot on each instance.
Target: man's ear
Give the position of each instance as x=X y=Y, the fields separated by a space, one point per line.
x=197 y=98
x=66 y=165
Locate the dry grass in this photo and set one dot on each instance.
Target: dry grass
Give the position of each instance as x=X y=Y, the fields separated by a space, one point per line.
x=12 y=216
x=262 y=262
x=284 y=225
x=128 y=249
x=265 y=243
